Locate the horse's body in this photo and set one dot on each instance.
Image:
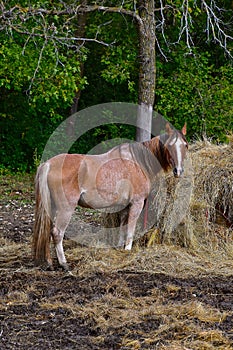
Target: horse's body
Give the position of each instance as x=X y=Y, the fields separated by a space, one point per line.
x=119 y=179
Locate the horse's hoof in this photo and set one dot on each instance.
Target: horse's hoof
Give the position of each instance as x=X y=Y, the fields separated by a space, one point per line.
x=50 y=267
x=65 y=267
x=47 y=267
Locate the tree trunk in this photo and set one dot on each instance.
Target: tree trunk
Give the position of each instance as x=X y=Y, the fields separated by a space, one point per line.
x=146 y=30
x=146 y=33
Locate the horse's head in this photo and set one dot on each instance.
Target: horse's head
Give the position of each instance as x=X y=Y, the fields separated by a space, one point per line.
x=176 y=146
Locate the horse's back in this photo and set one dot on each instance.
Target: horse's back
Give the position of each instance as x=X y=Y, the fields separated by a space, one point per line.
x=65 y=160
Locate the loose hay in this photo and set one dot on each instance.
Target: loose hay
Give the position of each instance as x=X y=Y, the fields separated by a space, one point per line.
x=212 y=205
x=164 y=297
x=195 y=211
x=209 y=216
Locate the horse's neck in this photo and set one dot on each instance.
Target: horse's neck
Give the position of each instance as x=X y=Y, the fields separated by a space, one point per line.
x=153 y=144
x=156 y=146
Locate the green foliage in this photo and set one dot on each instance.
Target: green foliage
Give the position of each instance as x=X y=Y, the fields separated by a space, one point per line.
x=117 y=62
x=22 y=131
x=191 y=89
x=50 y=81
x=104 y=136
x=39 y=75
x=37 y=87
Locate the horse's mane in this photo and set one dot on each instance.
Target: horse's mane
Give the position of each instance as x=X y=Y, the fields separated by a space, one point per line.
x=149 y=162
x=151 y=155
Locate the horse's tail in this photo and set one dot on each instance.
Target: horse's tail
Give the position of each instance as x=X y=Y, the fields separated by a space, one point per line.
x=43 y=218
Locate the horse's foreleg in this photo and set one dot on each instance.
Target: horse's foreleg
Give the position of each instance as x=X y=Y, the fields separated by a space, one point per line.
x=134 y=213
x=123 y=227
x=61 y=222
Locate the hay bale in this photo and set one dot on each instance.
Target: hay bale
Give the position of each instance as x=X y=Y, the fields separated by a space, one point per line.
x=209 y=217
x=196 y=210
x=212 y=207
x=214 y=179
x=176 y=223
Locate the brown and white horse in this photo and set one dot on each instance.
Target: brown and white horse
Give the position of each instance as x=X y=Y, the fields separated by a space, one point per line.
x=121 y=178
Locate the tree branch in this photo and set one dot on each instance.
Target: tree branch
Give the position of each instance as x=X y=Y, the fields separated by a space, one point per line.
x=16 y=17
x=185 y=24
x=19 y=10
x=215 y=26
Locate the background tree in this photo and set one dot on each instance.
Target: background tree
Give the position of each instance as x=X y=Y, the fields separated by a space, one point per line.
x=40 y=46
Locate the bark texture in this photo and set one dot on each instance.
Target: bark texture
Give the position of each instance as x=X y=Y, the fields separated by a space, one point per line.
x=146 y=32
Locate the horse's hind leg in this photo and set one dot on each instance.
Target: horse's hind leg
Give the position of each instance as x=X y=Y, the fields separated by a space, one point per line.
x=62 y=220
x=134 y=213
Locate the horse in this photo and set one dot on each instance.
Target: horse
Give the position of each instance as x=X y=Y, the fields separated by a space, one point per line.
x=120 y=178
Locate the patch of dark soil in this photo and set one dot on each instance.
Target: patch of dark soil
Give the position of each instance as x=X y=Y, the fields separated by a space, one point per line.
x=16 y=220
x=45 y=329
x=43 y=310
x=37 y=324
x=216 y=291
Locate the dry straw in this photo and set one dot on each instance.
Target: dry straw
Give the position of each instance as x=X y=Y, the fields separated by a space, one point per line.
x=195 y=211
x=212 y=204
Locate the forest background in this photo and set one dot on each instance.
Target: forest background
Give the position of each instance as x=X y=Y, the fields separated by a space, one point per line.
x=59 y=57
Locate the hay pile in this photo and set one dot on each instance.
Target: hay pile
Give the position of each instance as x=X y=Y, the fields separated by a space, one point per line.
x=209 y=216
x=197 y=210
x=212 y=203
x=214 y=179
x=163 y=297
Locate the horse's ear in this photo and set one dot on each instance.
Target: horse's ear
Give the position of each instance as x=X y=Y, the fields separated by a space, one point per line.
x=168 y=129
x=184 y=129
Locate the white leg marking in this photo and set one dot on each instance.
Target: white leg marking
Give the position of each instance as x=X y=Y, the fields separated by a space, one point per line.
x=60 y=253
x=134 y=213
x=129 y=243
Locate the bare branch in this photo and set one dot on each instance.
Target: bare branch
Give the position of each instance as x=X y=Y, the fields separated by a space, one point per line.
x=17 y=17
x=17 y=10
x=162 y=22
x=37 y=67
x=215 y=26
x=216 y=29
x=64 y=40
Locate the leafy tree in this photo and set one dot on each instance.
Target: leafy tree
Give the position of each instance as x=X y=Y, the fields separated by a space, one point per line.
x=42 y=55
x=200 y=93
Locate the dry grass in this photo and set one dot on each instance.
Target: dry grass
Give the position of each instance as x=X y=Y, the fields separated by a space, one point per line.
x=208 y=223
x=171 y=296
x=212 y=205
x=161 y=297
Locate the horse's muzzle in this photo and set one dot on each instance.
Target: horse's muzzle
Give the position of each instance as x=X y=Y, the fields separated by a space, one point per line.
x=178 y=172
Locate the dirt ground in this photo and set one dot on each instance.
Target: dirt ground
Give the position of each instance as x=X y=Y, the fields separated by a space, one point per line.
x=161 y=297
